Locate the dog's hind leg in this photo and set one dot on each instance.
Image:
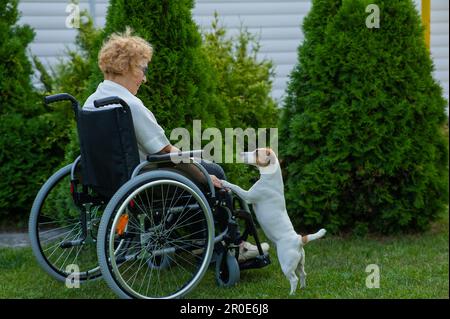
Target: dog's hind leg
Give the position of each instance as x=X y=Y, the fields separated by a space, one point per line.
x=301 y=271
x=293 y=279
x=289 y=259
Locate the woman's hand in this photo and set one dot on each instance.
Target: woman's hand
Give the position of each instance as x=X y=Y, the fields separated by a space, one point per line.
x=169 y=148
x=217 y=183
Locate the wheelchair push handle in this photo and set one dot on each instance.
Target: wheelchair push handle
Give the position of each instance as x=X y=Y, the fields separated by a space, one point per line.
x=111 y=100
x=63 y=97
x=60 y=97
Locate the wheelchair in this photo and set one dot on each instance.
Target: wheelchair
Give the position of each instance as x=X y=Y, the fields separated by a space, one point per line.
x=148 y=228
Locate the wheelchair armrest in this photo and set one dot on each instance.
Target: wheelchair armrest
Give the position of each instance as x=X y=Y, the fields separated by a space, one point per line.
x=160 y=158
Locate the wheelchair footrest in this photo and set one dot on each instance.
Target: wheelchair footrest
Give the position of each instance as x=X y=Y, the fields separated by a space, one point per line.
x=257 y=262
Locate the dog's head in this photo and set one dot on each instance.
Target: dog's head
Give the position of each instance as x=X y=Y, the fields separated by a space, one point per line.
x=261 y=157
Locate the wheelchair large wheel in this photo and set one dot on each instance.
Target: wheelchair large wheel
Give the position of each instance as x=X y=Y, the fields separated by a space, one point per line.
x=61 y=244
x=167 y=225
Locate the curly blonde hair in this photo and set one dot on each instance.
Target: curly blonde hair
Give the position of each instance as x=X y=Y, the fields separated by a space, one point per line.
x=121 y=53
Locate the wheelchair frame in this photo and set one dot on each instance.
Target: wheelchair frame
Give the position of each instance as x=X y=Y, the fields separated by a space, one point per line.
x=220 y=246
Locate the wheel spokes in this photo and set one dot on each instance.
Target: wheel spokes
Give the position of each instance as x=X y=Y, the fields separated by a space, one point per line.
x=171 y=236
x=62 y=238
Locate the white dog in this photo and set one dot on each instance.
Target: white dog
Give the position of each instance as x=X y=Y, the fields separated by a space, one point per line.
x=267 y=198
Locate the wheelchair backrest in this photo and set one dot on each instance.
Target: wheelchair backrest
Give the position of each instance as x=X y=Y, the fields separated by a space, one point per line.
x=109 y=151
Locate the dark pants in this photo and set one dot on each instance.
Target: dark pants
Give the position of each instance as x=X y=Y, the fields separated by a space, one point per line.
x=217 y=170
x=214 y=169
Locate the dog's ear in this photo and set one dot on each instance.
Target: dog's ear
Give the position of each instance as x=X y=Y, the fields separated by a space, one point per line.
x=269 y=151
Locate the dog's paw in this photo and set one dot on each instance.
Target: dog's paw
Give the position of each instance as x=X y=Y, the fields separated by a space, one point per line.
x=302 y=283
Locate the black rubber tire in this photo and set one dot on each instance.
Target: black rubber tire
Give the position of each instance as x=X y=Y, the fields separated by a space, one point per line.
x=227 y=269
x=41 y=200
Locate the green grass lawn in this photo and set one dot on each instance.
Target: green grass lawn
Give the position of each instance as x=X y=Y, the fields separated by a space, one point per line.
x=411 y=266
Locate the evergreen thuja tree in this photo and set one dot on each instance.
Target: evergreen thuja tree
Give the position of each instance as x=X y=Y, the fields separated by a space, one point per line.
x=15 y=68
x=244 y=86
x=29 y=151
x=361 y=131
x=245 y=83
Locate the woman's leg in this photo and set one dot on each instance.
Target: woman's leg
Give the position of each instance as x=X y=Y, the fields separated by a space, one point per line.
x=214 y=169
x=217 y=170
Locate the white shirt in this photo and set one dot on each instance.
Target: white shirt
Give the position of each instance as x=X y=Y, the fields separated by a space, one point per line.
x=150 y=136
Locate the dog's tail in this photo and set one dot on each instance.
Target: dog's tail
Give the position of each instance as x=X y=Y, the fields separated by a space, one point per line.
x=308 y=238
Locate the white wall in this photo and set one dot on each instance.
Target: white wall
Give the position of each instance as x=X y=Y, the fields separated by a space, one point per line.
x=439 y=33
x=439 y=41
x=276 y=22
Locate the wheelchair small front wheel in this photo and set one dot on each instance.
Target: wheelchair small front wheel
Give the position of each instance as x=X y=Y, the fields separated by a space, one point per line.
x=55 y=229
x=227 y=270
x=170 y=231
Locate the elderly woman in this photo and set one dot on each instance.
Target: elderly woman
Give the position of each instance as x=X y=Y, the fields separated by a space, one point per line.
x=123 y=60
